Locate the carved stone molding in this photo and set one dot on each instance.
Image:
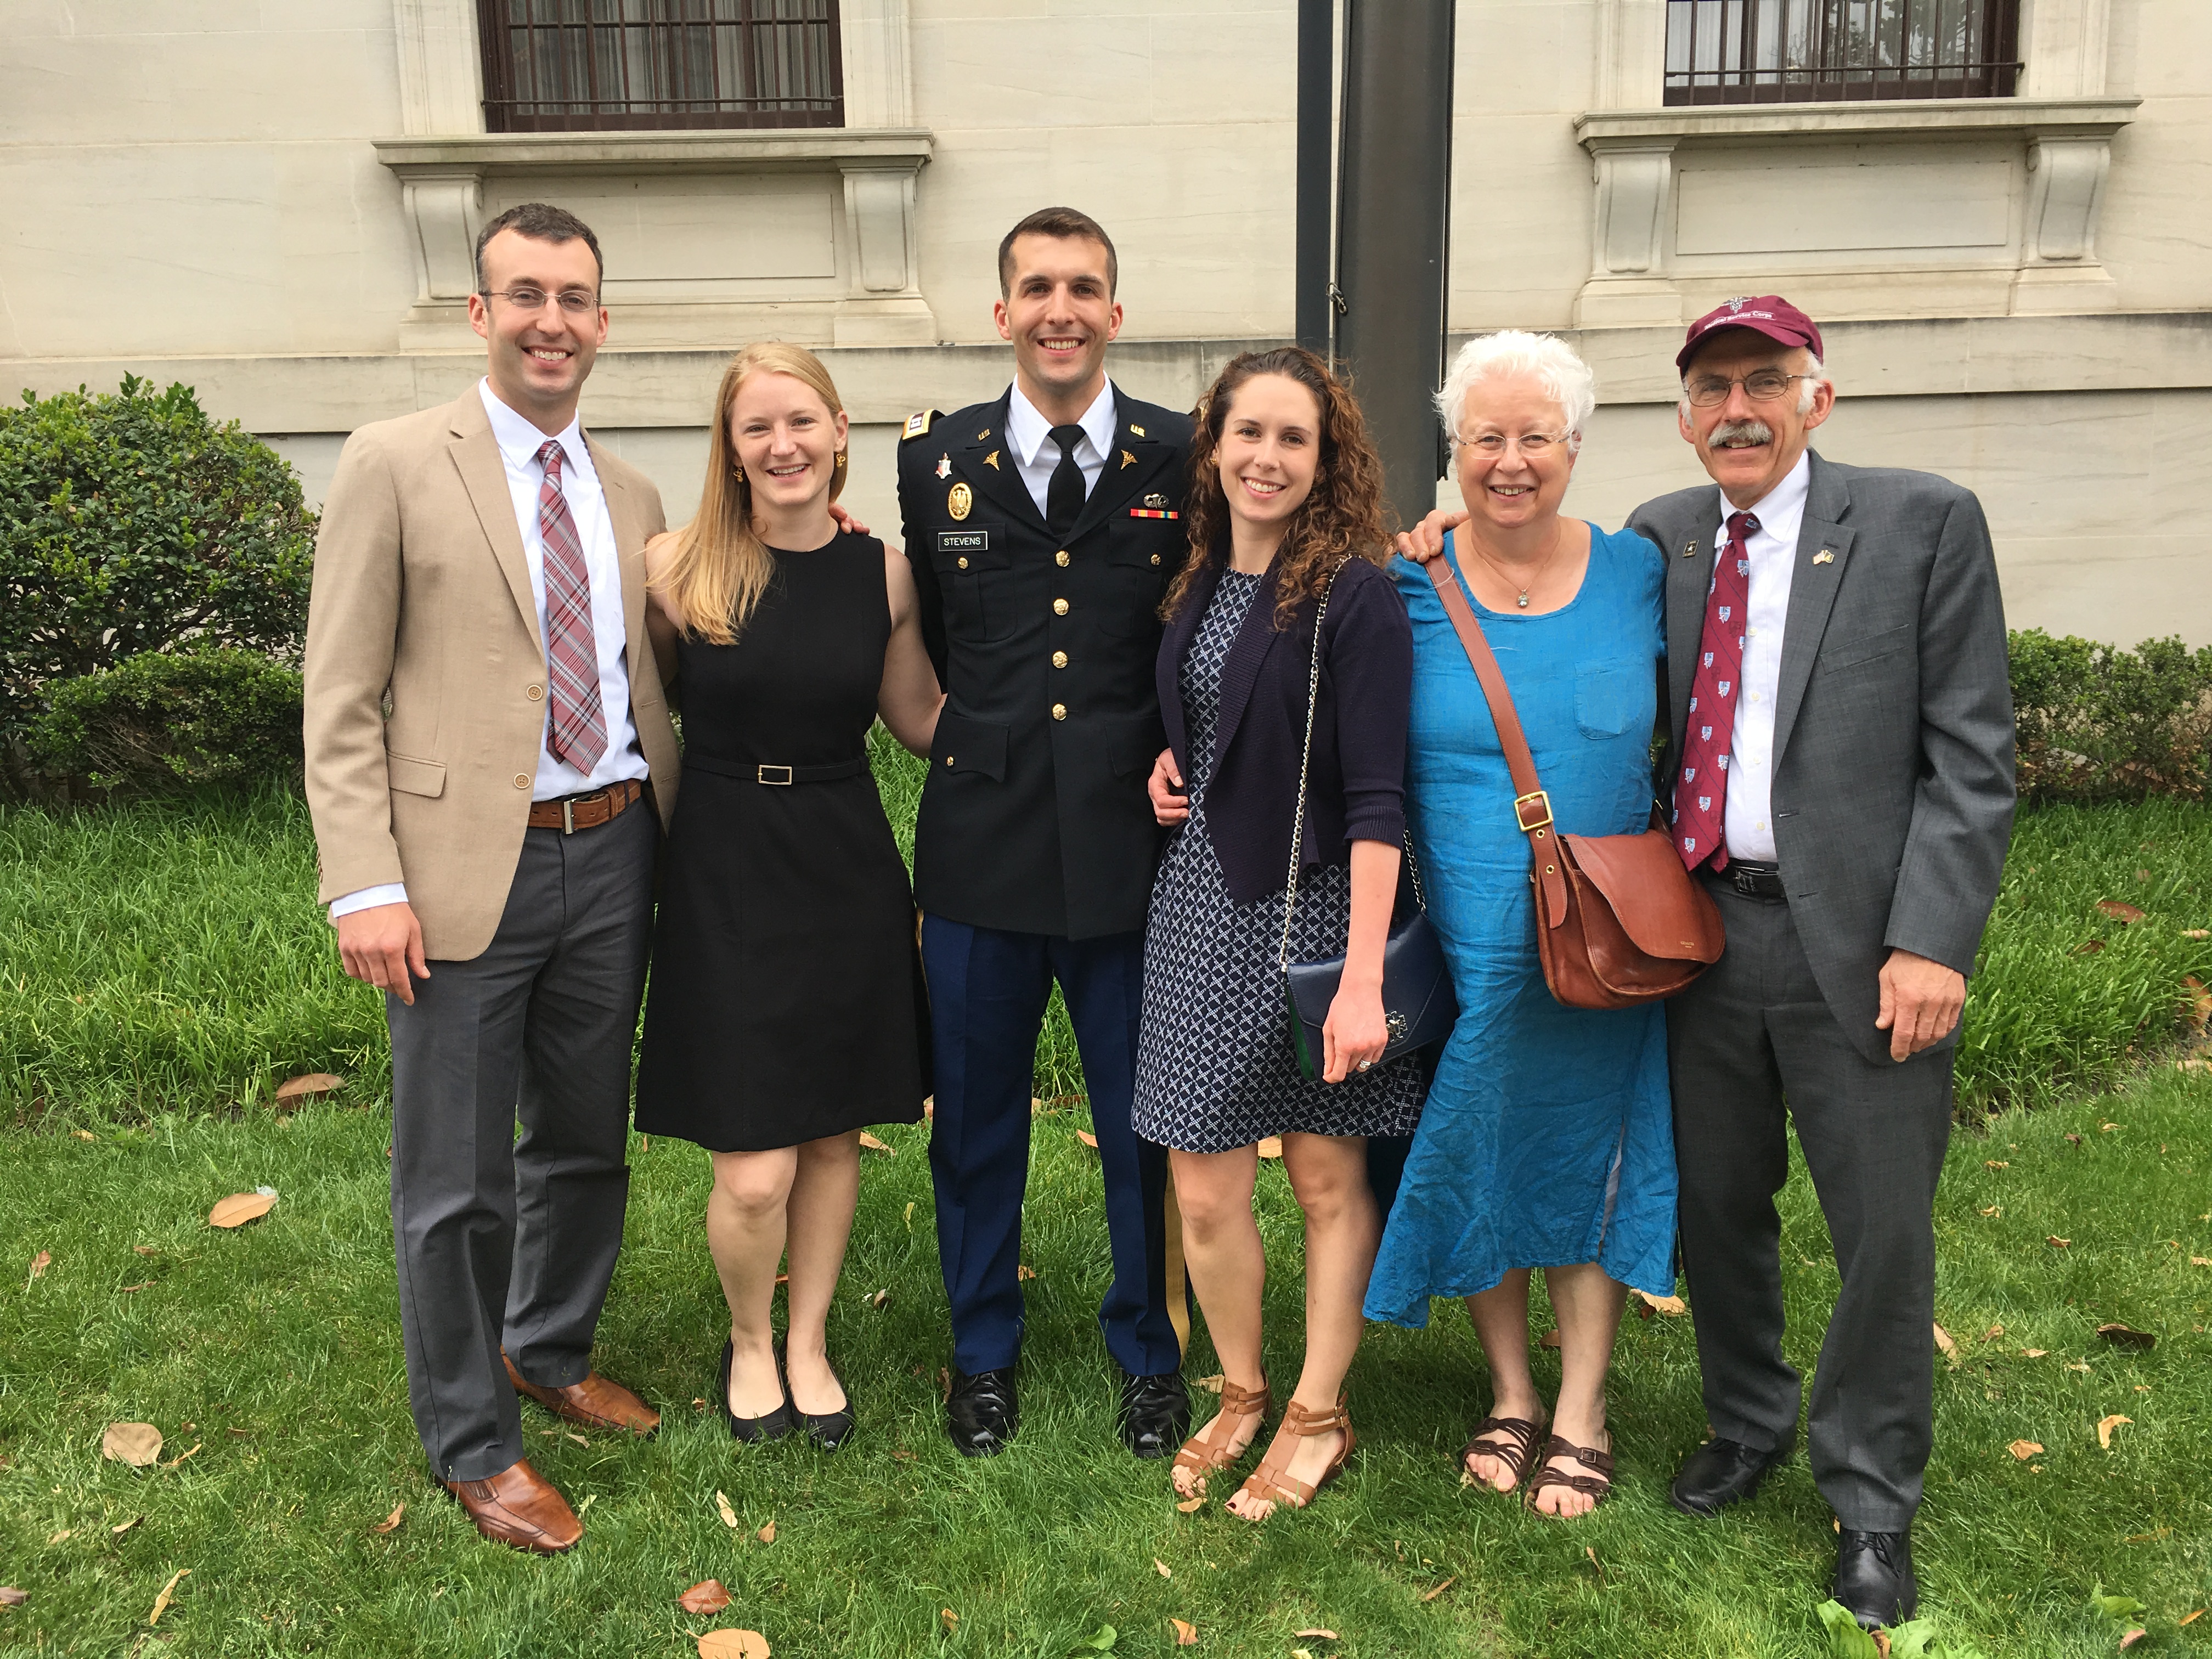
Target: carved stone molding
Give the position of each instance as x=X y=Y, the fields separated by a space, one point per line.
x=834 y=263
x=2066 y=144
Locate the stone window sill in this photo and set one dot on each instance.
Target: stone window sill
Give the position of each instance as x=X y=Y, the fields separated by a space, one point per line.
x=1905 y=119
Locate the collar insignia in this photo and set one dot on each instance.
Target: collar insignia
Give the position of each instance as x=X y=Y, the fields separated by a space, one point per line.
x=1127 y=459
x=990 y=460
x=984 y=434
x=1136 y=430
x=1824 y=556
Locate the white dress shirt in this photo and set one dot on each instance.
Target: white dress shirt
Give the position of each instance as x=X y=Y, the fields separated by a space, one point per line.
x=519 y=441
x=1028 y=434
x=1772 y=549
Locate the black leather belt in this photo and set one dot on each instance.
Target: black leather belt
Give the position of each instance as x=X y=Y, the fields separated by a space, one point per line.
x=779 y=775
x=1752 y=881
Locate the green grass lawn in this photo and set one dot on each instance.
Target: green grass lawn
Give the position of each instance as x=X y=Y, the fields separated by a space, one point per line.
x=162 y=967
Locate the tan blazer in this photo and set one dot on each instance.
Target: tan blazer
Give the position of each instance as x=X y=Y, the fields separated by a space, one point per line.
x=426 y=675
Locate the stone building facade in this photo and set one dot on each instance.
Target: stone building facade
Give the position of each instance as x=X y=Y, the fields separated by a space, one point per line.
x=274 y=201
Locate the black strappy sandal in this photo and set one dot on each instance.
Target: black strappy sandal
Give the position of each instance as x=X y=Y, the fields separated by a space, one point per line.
x=1520 y=1456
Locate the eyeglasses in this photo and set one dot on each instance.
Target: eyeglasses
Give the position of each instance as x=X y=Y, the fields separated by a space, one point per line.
x=577 y=302
x=1492 y=445
x=1709 y=391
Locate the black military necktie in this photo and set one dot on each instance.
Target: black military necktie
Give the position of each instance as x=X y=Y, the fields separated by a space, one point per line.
x=1063 y=496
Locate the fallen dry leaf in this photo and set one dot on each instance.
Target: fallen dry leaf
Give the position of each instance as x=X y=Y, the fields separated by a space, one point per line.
x=1994 y=1209
x=902 y=1454
x=2152 y=1536
x=708 y=1595
x=1211 y=1384
x=83 y=1134
x=1993 y=1334
x=2088 y=947
x=138 y=1444
x=1185 y=1632
x=766 y=1534
x=733 y=1644
x=1996 y=1163
x=722 y=1508
x=144 y=1250
x=1432 y=1594
x=1549 y=1339
x=908 y=1217
x=1163 y=1568
x=2121 y=911
x=182 y=1456
x=1672 y=1306
x=1881 y=1644
x=168 y=1593
x=1086 y=1138
x=929 y=1108
x=12 y=1597
x=120 y=1527
x=2134 y=1636
x=311 y=1085
x=2200 y=1261
x=1317 y=1634
x=2105 y=1426
x=1943 y=1341
x=40 y=1262
x=133 y=1289
x=2073 y=1140
x=2189 y=1618
x=2057 y=1242
x=1192 y=1505
x=2076 y=1365
x=1024 y=1272
x=2024 y=1449
x=1036 y=1106
x=947 y=1618
x=2034 y=1353
x=241 y=1208
x=874 y=1144
x=2107 y=1129
x=2126 y=1336
x=878 y=1299
x=390 y=1522
x=1272 y=1146
x=66 y=1532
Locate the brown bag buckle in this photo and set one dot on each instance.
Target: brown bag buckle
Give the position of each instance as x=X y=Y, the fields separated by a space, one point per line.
x=1521 y=811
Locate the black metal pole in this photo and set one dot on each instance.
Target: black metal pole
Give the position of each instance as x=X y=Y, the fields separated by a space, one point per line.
x=1392 y=223
x=1317 y=174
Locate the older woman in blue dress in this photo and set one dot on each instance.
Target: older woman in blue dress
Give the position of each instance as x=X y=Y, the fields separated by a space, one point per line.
x=1546 y=1140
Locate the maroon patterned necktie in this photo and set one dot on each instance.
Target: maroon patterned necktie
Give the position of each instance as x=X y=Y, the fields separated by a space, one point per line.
x=1701 y=792
x=577 y=726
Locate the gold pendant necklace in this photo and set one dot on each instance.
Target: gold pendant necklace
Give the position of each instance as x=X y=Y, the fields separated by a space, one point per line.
x=1557 y=536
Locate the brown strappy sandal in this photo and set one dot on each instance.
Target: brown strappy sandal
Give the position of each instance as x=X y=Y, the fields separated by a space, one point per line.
x=1519 y=1457
x=1271 y=1482
x=1205 y=1454
x=1596 y=1485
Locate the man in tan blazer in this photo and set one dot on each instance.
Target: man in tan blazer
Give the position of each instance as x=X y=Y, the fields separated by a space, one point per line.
x=488 y=743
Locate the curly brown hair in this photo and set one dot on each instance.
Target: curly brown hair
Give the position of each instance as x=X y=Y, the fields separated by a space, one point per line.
x=1345 y=516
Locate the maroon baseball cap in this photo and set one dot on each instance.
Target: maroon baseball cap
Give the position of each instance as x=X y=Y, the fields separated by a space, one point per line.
x=1766 y=313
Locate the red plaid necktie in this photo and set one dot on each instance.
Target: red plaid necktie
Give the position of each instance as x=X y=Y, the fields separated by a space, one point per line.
x=577 y=726
x=1701 y=791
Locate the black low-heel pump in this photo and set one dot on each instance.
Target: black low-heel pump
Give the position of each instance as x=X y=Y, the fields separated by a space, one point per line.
x=774 y=1425
x=830 y=1431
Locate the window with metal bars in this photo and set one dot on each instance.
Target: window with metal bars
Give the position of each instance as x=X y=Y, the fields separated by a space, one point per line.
x=1791 y=51
x=592 y=65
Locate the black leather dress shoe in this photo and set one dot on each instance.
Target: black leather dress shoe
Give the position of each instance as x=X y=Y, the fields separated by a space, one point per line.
x=1720 y=1472
x=1874 y=1577
x=981 y=1415
x=774 y=1426
x=1155 y=1413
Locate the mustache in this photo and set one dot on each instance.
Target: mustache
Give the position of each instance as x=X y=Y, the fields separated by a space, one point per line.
x=1751 y=431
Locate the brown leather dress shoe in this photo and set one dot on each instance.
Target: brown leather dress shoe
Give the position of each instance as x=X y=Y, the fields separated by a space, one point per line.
x=519 y=1506
x=595 y=1402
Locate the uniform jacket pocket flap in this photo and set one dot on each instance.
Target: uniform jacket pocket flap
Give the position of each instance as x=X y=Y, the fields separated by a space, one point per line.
x=967 y=745
x=415 y=777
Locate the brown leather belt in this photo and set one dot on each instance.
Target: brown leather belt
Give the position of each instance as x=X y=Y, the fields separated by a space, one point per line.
x=587 y=812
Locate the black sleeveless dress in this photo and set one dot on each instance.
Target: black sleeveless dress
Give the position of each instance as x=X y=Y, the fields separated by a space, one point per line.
x=785 y=1002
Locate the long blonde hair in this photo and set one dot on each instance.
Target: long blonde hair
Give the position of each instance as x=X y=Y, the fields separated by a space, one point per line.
x=720 y=567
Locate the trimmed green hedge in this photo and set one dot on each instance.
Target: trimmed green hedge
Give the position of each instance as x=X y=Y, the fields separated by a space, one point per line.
x=2098 y=723
x=160 y=723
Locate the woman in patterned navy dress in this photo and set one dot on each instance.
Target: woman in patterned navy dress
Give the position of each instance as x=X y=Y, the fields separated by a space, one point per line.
x=1286 y=528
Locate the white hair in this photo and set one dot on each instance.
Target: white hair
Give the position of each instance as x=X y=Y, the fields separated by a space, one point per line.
x=1815 y=376
x=1565 y=377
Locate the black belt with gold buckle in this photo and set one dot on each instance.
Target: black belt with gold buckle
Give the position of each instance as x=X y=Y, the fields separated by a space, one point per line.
x=1756 y=880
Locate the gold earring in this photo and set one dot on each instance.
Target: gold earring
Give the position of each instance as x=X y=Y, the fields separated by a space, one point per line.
x=840 y=458
x=738 y=473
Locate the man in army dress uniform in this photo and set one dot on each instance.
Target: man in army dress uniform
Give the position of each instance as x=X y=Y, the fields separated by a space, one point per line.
x=1042 y=528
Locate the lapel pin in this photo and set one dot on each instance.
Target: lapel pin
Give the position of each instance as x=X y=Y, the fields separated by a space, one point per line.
x=1824 y=556
x=1156 y=502
x=945 y=466
x=984 y=434
x=1136 y=430
x=1688 y=550
x=990 y=460
x=1127 y=459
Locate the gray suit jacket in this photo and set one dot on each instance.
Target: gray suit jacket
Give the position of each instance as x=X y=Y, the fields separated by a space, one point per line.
x=1892 y=784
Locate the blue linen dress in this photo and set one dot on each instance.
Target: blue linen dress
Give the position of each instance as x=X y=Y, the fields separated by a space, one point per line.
x=1547 y=1138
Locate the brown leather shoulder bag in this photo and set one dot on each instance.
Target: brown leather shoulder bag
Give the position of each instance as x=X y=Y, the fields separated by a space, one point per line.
x=1619 y=921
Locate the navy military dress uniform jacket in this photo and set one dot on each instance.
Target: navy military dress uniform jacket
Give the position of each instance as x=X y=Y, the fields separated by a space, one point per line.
x=1034 y=818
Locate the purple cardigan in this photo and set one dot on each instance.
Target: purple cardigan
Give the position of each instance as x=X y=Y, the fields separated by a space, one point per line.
x=1357 y=788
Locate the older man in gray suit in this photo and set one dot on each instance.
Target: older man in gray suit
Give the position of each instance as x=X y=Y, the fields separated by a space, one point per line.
x=1842 y=760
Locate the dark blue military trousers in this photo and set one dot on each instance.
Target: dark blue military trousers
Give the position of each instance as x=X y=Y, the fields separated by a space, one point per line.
x=988 y=989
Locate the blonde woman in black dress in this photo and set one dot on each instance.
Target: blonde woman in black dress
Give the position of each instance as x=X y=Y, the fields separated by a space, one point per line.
x=785 y=1013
